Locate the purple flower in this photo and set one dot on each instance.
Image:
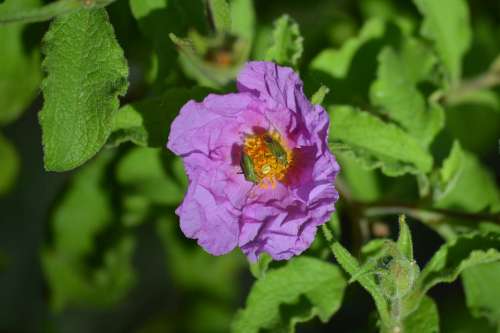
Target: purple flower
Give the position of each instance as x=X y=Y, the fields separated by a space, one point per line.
x=261 y=175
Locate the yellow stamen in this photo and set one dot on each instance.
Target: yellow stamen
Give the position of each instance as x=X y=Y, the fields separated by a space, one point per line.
x=268 y=168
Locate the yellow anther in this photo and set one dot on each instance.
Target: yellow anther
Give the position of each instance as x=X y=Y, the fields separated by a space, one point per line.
x=268 y=168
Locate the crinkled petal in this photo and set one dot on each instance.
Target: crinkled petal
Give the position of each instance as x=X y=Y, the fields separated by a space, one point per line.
x=209 y=217
x=222 y=209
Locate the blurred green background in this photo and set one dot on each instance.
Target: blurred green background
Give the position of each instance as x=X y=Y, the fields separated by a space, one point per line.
x=138 y=272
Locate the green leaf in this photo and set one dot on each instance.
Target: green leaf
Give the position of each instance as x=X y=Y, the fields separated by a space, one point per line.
x=363 y=184
x=260 y=267
x=243 y=20
x=465 y=183
x=337 y=62
x=84 y=214
x=297 y=292
x=482 y=291
x=405 y=243
x=287 y=44
x=453 y=257
x=142 y=172
x=20 y=73
x=446 y=23
x=352 y=266
x=395 y=91
x=220 y=15
x=87 y=72
x=147 y=122
x=423 y=320
x=375 y=143
x=158 y=18
x=319 y=95
x=49 y=11
x=9 y=165
x=186 y=260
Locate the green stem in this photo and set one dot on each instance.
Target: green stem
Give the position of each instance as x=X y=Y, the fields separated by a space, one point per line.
x=50 y=11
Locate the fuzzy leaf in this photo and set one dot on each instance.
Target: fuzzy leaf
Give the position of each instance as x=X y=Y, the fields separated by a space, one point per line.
x=49 y=11
x=455 y=256
x=446 y=23
x=20 y=73
x=423 y=320
x=405 y=243
x=395 y=91
x=465 y=183
x=87 y=72
x=375 y=143
x=482 y=290
x=352 y=266
x=287 y=44
x=301 y=290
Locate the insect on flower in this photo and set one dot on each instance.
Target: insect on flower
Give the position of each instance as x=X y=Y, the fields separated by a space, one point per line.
x=276 y=149
x=247 y=167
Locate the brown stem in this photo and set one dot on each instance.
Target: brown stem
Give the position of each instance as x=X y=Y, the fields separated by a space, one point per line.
x=489 y=79
x=430 y=215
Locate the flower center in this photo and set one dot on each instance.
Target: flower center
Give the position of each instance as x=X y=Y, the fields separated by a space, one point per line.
x=267 y=159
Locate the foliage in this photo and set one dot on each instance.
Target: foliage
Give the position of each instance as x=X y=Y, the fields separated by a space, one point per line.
x=413 y=93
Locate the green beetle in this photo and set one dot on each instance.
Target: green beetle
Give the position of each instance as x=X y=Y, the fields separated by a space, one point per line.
x=248 y=169
x=276 y=149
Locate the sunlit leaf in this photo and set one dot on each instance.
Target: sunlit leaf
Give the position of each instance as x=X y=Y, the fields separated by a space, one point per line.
x=87 y=72
x=301 y=290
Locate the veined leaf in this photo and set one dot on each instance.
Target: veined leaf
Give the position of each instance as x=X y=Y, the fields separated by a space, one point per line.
x=425 y=319
x=377 y=144
x=446 y=23
x=287 y=45
x=482 y=290
x=301 y=290
x=455 y=256
x=352 y=266
x=465 y=183
x=395 y=91
x=86 y=73
x=49 y=11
